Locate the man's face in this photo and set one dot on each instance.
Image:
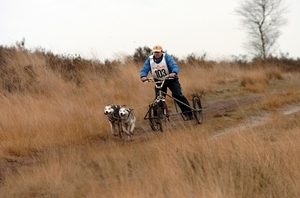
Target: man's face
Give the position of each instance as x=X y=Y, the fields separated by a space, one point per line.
x=157 y=54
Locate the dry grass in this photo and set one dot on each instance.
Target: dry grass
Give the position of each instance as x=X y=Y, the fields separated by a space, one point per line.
x=55 y=140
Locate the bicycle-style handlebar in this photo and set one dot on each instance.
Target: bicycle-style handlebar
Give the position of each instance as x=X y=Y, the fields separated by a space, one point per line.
x=158 y=83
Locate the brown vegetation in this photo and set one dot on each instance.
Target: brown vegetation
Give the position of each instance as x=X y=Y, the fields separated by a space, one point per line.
x=56 y=142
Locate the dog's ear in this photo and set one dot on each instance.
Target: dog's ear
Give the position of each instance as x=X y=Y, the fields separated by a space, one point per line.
x=108 y=105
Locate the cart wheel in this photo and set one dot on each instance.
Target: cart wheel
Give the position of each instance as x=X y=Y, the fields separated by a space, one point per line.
x=198 y=108
x=155 y=120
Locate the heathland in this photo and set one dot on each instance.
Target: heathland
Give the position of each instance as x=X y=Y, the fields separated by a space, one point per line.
x=55 y=140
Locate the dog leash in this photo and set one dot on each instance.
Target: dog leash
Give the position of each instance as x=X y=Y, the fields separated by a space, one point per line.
x=139 y=106
x=142 y=106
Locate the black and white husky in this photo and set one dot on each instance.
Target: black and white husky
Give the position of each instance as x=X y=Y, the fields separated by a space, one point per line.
x=112 y=113
x=128 y=120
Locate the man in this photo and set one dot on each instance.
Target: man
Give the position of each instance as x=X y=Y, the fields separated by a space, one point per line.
x=161 y=64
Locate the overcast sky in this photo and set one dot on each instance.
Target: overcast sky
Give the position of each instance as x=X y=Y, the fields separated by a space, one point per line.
x=102 y=29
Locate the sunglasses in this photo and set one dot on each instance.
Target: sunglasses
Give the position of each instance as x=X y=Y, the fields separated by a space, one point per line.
x=156 y=52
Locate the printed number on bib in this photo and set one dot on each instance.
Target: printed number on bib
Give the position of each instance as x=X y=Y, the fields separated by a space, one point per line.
x=160 y=73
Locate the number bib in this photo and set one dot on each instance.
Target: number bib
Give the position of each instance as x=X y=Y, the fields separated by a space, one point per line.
x=159 y=70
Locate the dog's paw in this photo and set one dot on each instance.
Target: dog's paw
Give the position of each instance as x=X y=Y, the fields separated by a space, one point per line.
x=129 y=138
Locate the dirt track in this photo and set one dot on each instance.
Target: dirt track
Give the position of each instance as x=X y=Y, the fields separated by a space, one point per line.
x=211 y=109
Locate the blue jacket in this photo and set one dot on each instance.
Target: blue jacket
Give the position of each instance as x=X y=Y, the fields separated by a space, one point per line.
x=171 y=64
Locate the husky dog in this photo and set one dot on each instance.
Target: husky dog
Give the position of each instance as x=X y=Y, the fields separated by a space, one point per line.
x=128 y=120
x=112 y=113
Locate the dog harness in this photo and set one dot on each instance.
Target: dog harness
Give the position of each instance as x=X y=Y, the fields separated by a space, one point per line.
x=115 y=116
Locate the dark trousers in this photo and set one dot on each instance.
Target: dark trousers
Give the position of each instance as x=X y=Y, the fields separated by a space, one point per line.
x=175 y=88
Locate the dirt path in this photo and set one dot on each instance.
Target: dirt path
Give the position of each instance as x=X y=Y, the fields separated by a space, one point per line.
x=255 y=121
x=211 y=109
x=219 y=108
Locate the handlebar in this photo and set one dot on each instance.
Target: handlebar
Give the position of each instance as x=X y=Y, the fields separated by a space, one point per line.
x=157 y=82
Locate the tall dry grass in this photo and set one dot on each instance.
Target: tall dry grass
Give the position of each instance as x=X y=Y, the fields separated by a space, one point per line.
x=56 y=142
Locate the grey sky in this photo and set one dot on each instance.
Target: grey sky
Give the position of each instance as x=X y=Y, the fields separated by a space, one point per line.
x=105 y=28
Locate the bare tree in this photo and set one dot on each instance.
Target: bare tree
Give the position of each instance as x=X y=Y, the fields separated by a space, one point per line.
x=262 y=20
